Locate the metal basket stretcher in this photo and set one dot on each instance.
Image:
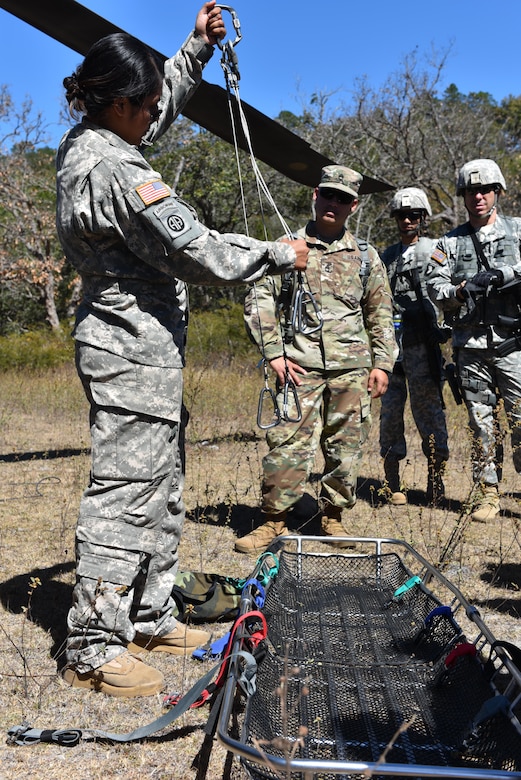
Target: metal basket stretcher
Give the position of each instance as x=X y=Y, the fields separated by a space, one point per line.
x=375 y=665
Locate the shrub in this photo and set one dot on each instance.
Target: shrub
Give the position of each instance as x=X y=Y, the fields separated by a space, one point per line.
x=219 y=337
x=36 y=349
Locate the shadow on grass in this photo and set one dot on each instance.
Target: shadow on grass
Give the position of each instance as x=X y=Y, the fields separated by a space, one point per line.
x=46 y=604
x=16 y=457
x=505 y=576
x=304 y=517
x=510 y=607
x=243 y=518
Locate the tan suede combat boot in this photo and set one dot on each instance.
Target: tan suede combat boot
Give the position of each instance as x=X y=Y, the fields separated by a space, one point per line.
x=181 y=641
x=392 y=478
x=331 y=525
x=263 y=536
x=125 y=676
x=486 y=505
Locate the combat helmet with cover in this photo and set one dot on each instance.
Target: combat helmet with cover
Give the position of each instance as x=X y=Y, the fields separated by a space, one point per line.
x=482 y=171
x=410 y=198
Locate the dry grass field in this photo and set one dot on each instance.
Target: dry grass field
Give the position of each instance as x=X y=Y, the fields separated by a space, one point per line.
x=44 y=464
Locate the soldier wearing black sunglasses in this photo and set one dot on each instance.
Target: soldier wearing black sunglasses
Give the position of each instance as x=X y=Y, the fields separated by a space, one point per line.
x=336 y=369
x=417 y=372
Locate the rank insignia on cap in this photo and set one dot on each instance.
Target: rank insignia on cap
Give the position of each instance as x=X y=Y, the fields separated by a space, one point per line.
x=439 y=256
x=152 y=191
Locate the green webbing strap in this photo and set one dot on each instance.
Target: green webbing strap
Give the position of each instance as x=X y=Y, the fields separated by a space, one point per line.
x=25 y=735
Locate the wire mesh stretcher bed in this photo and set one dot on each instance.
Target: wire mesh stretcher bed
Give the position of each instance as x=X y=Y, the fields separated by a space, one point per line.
x=375 y=665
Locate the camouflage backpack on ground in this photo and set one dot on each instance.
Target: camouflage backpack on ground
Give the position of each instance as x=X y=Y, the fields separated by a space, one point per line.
x=202 y=597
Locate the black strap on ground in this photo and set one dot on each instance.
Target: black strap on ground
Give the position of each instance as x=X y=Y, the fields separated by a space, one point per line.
x=24 y=734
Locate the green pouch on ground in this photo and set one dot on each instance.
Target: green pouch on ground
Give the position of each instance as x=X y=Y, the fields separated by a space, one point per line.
x=202 y=597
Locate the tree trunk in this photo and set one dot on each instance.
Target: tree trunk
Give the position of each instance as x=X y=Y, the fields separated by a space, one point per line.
x=50 y=303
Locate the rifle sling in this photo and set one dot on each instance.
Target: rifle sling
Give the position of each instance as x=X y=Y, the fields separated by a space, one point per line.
x=479 y=251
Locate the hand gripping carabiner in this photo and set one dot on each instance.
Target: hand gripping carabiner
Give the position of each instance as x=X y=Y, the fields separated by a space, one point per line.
x=229 y=61
x=236 y=25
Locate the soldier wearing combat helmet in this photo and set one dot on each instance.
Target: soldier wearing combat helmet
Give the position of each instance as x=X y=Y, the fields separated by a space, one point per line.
x=417 y=371
x=472 y=278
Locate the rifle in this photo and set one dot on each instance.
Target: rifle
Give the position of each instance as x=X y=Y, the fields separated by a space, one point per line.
x=436 y=335
x=451 y=376
x=475 y=293
x=514 y=342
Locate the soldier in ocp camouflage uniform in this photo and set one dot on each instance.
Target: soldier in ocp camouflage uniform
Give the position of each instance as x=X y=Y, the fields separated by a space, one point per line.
x=473 y=278
x=418 y=369
x=132 y=240
x=336 y=369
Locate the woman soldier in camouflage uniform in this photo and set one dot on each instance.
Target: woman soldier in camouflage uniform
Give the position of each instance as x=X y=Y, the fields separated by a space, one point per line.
x=132 y=241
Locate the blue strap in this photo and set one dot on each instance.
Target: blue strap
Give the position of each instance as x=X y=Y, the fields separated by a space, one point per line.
x=215 y=650
x=441 y=610
x=260 y=598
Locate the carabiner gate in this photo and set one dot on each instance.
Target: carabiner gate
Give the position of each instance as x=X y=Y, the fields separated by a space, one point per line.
x=290 y=391
x=265 y=393
x=236 y=26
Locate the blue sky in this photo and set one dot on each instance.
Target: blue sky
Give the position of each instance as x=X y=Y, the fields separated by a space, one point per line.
x=291 y=50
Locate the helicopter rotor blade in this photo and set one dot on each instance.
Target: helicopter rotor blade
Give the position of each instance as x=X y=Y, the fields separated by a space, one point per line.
x=77 y=27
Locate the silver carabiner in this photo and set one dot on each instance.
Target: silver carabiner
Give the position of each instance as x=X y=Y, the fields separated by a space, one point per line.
x=236 y=26
x=290 y=387
x=229 y=61
x=302 y=317
x=266 y=393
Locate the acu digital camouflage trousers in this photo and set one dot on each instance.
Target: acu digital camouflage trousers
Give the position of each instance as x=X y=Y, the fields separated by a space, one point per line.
x=484 y=378
x=128 y=531
x=336 y=415
x=412 y=374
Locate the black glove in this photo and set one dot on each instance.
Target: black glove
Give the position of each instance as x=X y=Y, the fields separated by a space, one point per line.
x=488 y=278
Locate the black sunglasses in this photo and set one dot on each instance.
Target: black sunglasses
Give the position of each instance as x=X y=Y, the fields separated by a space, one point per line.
x=341 y=197
x=484 y=189
x=412 y=216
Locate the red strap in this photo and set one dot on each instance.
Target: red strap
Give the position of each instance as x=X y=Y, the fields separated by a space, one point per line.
x=463 y=649
x=174 y=698
x=254 y=638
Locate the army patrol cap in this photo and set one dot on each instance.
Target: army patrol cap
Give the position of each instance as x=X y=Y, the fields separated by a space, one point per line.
x=477 y=172
x=338 y=177
x=410 y=198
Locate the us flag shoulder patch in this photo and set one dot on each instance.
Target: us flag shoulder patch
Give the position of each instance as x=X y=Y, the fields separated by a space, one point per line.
x=152 y=191
x=439 y=256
